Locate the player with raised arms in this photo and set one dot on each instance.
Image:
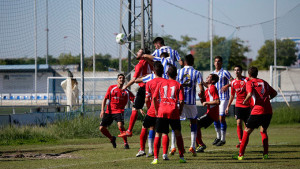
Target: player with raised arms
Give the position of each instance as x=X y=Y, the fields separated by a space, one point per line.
x=150 y=119
x=117 y=100
x=242 y=111
x=170 y=92
x=260 y=93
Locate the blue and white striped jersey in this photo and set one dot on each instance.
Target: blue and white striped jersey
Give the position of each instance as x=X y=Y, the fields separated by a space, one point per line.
x=224 y=77
x=174 y=55
x=188 y=77
x=166 y=62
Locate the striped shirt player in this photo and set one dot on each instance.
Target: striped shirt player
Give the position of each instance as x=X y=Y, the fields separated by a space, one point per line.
x=224 y=79
x=174 y=55
x=166 y=62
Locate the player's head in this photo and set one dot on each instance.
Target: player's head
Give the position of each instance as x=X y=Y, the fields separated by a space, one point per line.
x=189 y=60
x=147 y=51
x=212 y=79
x=140 y=53
x=238 y=70
x=172 y=72
x=253 y=72
x=158 y=42
x=121 y=79
x=158 y=68
x=218 y=62
x=164 y=55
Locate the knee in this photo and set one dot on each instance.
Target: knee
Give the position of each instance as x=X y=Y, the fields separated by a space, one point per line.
x=101 y=128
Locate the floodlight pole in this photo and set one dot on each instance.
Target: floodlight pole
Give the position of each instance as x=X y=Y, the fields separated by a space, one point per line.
x=82 y=57
x=275 y=44
x=35 y=50
x=47 y=33
x=211 y=33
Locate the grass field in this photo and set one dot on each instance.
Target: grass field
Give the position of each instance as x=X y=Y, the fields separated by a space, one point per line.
x=93 y=153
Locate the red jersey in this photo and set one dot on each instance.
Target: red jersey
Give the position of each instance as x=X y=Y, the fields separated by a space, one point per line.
x=169 y=92
x=118 y=99
x=211 y=94
x=238 y=87
x=260 y=101
x=150 y=89
x=141 y=69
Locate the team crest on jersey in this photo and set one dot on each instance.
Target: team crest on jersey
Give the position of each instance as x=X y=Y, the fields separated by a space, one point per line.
x=242 y=82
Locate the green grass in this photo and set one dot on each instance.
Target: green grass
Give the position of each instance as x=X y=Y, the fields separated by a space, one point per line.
x=98 y=152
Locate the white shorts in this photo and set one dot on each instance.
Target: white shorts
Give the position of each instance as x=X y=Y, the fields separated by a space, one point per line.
x=189 y=112
x=222 y=107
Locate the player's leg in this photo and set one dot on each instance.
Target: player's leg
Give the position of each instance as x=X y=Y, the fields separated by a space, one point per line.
x=106 y=121
x=156 y=147
x=203 y=122
x=122 y=129
x=165 y=144
x=162 y=125
x=192 y=148
x=223 y=125
x=239 y=130
x=264 y=134
x=143 y=137
x=176 y=126
x=173 y=142
x=151 y=137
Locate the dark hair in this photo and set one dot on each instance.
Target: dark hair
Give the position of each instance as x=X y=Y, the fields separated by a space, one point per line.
x=120 y=74
x=159 y=40
x=253 y=71
x=172 y=72
x=215 y=78
x=189 y=59
x=164 y=54
x=219 y=57
x=146 y=51
x=239 y=66
x=158 y=68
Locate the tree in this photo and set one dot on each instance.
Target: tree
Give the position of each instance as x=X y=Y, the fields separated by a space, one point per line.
x=232 y=50
x=285 y=54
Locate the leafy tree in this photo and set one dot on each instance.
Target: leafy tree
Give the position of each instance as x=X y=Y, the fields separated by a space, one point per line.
x=66 y=59
x=285 y=54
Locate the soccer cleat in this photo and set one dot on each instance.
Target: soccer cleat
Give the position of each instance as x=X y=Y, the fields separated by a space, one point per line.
x=165 y=157
x=200 y=148
x=126 y=146
x=140 y=153
x=192 y=150
x=123 y=134
x=113 y=142
x=220 y=143
x=172 y=152
x=155 y=161
x=238 y=157
x=150 y=155
x=128 y=133
x=265 y=156
x=182 y=160
x=216 y=141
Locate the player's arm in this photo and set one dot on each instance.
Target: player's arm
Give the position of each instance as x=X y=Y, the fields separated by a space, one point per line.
x=148 y=57
x=102 y=107
x=230 y=100
x=181 y=104
x=138 y=80
x=214 y=102
x=249 y=92
x=181 y=99
x=129 y=83
x=273 y=92
x=155 y=97
x=230 y=78
x=249 y=95
x=147 y=98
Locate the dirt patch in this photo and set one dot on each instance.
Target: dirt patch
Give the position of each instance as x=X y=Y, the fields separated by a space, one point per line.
x=37 y=156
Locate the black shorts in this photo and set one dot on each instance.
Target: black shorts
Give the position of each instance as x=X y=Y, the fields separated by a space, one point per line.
x=204 y=121
x=149 y=121
x=162 y=125
x=140 y=98
x=242 y=113
x=109 y=118
x=255 y=121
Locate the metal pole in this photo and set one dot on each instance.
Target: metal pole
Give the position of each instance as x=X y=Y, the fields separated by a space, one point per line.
x=94 y=57
x=275 y=43
x=129 y=38
x=142 y=25
x=82 y=57
x=35 y=48
x=120 y=30
x=211 y=34
x=151 y=26
x=47 y=29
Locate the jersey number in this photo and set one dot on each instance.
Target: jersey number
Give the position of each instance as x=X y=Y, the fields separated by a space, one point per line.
x=166 y=92
x=262 y=87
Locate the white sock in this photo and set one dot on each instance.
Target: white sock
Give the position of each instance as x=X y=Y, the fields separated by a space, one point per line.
x=218 y=130
x=193 y=138
x=150 y=145
x=223 y=134
x=173 y=140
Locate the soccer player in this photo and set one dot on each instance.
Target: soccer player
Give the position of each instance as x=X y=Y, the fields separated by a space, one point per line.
x=212 y=102
x=118 y=99
x=141 y=69
x=170 y=92
x=242 y=111
x=260 y=93
x=188 y=77
x=150 y=119
x=222 y=86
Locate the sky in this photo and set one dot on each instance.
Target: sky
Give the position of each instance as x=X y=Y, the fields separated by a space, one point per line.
x=179 y=17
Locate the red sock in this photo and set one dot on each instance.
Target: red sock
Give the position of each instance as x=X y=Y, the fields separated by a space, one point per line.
x=105 y=132
x=240 y=132
x=143 y=137
x=165 y=144
x=124 y=138
x=199 y=137
x=244 y=143
x=156 y=147
x=264 y=138
x=133 y=118
x=180 y=145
